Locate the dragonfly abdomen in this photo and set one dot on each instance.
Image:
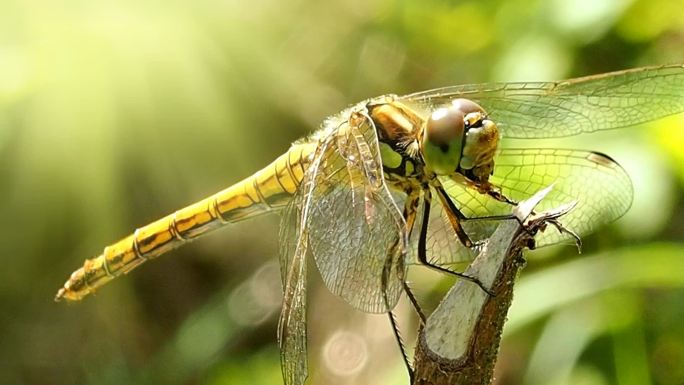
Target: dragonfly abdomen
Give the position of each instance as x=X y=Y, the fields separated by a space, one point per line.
x=269 y=189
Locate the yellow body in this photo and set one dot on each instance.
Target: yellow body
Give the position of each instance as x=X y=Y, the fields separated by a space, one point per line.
x=268 y=189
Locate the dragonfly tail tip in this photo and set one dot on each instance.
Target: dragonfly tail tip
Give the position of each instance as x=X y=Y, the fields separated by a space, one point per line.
x=60 y=295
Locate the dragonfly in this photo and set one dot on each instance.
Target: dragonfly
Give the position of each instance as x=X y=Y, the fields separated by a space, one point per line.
x=423 y=178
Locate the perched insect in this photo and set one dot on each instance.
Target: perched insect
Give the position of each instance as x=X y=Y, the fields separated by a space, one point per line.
x=422 y=178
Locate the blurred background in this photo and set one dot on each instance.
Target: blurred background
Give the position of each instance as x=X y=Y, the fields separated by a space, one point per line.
x=113 y=114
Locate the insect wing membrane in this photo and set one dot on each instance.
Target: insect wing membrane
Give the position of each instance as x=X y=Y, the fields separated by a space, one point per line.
x=355 y=229
x=587 y=104
x=601 y=187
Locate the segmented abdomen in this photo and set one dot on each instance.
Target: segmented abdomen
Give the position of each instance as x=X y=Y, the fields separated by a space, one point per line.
x=269 y=189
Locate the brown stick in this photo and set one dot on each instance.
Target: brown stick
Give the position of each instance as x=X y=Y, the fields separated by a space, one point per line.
x=460 y=341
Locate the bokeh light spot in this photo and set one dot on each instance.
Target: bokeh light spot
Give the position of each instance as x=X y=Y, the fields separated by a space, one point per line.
x=345 y=353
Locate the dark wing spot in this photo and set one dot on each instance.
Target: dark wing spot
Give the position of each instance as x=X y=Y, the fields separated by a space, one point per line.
x=602 y=159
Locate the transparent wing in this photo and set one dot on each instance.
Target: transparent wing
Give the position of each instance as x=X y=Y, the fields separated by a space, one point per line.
x=355 y=228
x=344 y=215
x=292 y=322
x=587 y=104
x=356 y=231
x=601 y=187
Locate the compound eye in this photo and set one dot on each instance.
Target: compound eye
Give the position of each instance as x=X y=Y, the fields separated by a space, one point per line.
x=467 y=106
x=445 y=127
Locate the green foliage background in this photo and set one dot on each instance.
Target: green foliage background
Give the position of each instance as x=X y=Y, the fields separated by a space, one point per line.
x=113 y=114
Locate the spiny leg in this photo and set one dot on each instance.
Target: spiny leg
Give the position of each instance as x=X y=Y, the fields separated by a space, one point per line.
x=395 y=327
x=386 y=272
x=414 y=301
x=410 y=214
x=455 y=212
x=493 y=191
x=455 y=216
x=496 y=194
x=422 y=240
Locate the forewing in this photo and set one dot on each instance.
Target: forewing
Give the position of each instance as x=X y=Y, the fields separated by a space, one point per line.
x=355 y=229
x=601 y=187
x=587 y=104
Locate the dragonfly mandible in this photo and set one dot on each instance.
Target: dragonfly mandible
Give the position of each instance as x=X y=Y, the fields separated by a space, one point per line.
x=421 y=178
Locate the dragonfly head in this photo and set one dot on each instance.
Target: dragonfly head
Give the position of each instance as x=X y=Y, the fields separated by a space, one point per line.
x=459 y=138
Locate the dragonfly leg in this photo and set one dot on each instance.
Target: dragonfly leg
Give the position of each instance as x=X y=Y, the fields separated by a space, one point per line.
x=410 y=214
x=490 y=190
x=422 y=240
x=494 y=192
x=386 y=272
x=562 y=229
x=400 y=341
x=414 y=301
x=453 y=213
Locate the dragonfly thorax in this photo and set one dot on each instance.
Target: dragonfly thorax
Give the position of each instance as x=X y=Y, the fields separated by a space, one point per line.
x=398 y=128
x=459 y=138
